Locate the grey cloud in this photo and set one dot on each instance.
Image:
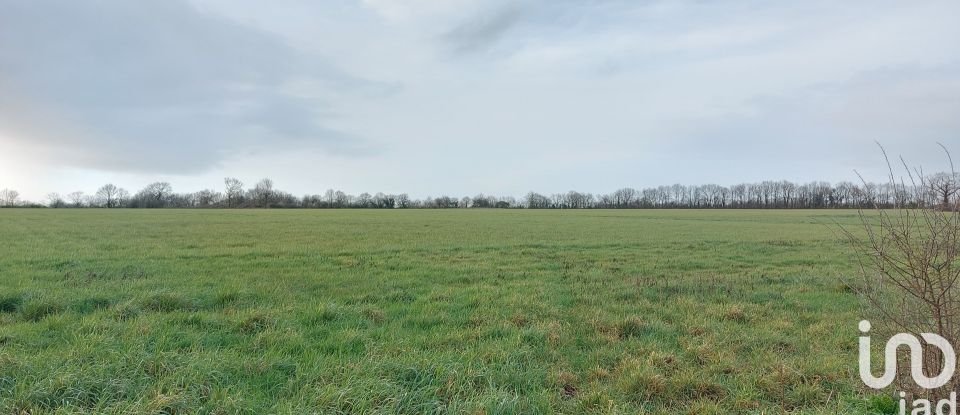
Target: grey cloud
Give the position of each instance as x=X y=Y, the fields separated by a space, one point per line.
x=484 y=30
x=829 y=129
x=157 y=86
x=493 y=24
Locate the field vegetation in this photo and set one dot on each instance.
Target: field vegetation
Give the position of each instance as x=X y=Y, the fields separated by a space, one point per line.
x=427 y=311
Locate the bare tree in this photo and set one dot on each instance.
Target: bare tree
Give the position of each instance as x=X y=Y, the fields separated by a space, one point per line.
x=262 y=193
x=940 y=190
x=123 y=197
x=341 y=199
x=76 y=199
x=9 y=197
x=910 y=263
x=364 y=200
x=943 y=187
x=206 y=198
x=234 y=191
x=624 y=197
x=330 y=198
x=108 y=196
x=158 y=193
x=536 y=201
x=403 y=201
x=54 y=200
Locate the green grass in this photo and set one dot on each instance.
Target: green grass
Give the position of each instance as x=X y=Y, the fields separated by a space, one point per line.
x=450 y=311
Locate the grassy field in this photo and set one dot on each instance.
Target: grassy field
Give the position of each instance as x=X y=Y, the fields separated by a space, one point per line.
x=459 y=311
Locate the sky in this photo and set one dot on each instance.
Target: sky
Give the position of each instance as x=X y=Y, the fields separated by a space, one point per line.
x=461 y=97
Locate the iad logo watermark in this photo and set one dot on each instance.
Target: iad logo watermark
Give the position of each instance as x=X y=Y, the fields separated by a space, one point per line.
x=920 y=406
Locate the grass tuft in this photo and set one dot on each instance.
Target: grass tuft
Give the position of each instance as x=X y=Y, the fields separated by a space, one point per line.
x=632 y=327
x=91 y=304
x=166 y=303
x=226 y=299
x=9 y=303
x=38 y=309
x=255 y=323
x=126 y=311
x=736 y=313
x=882 y=405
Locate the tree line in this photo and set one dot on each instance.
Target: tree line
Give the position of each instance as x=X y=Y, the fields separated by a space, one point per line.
x=938 y=189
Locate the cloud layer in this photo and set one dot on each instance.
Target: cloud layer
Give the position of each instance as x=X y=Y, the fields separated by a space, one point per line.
x=460 y=96
x=157 y=86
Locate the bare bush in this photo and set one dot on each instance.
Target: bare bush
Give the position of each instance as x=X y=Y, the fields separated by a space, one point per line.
x=9 y=198
x=908 y=255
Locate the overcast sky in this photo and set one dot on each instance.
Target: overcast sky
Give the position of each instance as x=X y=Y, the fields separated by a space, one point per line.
x=461 y=97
